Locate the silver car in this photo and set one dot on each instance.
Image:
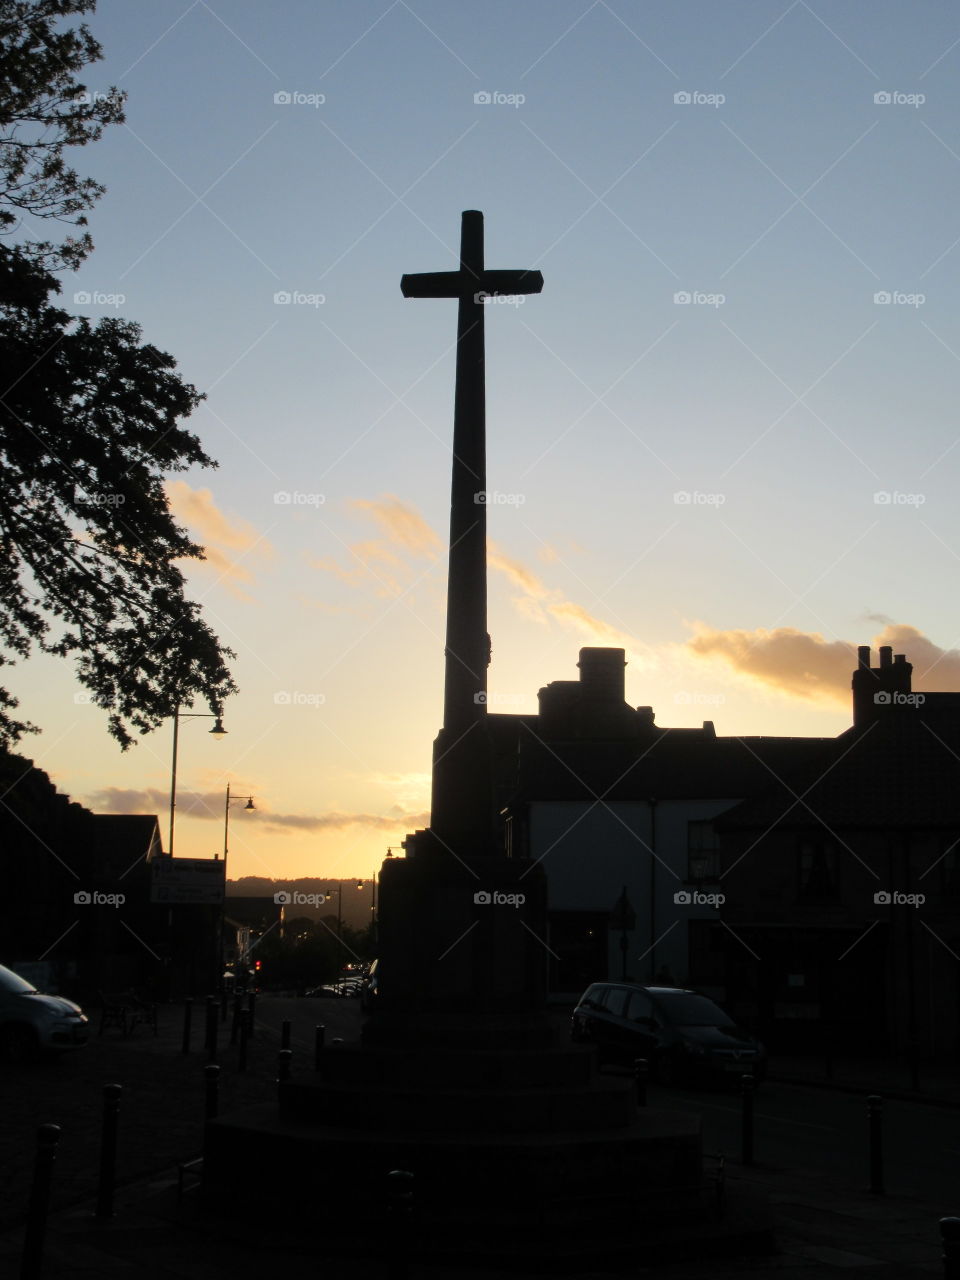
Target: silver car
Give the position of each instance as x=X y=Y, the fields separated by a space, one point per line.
x=31 y=1022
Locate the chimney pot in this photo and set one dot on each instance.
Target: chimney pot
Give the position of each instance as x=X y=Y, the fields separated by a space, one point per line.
x=863 y=656
x=886 y=655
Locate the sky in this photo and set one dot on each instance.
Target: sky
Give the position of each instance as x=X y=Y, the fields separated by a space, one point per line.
x=723 y=438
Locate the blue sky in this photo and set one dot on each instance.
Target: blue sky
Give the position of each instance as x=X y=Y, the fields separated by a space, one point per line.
x=780 y=400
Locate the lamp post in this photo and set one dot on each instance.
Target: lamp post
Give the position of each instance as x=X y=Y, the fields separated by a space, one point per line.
x=223 y=908
x=218 y=732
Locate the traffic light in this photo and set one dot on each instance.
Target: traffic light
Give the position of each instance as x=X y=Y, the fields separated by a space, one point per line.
x=257 y=964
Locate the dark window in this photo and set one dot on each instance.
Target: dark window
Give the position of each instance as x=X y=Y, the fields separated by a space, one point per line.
x=703 y=852
x=950 y=864
x=639 y=1006
x=615 y=1000
x=818 y=871
x=687 y=1009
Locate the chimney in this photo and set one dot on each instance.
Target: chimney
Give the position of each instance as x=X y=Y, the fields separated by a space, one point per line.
x=877 y=690
x=602 y=674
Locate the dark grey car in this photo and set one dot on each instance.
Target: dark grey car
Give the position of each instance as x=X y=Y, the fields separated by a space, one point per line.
x=685 y=1036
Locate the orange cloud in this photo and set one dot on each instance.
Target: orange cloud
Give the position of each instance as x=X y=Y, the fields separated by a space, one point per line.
x=217 y=534
x=382 y=561
x=804 y=665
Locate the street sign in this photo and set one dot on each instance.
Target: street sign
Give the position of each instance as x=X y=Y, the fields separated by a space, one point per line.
x=187 y=880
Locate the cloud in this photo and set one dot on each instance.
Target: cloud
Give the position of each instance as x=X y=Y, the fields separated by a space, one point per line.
x=218 y=535
x=804 y=665
x=388 y=561
x=210 y=805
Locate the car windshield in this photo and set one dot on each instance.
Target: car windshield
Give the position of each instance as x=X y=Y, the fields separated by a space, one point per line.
x=684 y=1009
x=12 y=984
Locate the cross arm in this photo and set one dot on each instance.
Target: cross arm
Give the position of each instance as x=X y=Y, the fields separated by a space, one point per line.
x=453 y=284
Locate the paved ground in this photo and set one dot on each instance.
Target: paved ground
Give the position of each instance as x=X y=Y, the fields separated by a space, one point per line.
x=824 y=1226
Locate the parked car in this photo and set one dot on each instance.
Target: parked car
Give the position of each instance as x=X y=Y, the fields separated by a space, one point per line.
x=368 y=989
x=31 y=1022
x=685 y=1036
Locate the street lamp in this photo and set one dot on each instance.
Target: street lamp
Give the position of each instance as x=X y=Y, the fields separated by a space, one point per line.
x=226 y=829
x=218 y=732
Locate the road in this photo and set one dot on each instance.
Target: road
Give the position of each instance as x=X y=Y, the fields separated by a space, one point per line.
x=796 y=1128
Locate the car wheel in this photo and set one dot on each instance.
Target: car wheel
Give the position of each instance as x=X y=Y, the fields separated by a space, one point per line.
x=18 y=1043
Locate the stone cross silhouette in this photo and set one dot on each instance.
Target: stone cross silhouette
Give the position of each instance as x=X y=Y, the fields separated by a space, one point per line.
x=463 y=793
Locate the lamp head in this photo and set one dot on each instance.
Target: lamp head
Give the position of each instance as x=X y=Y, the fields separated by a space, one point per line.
x=218 y=730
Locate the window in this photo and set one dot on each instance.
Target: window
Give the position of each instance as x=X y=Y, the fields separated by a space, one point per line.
x=640 y=1006
x=818 y=871
x=615 y=1000
x=703 y=852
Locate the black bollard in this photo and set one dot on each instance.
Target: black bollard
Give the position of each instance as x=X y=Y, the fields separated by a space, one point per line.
x=187 y=1020
x=641 y=1069
x=108 y=1149
x=950 y=1236
x=747 y=1086
x=244 y=1037
x=283 y=1064
x=398 y=1235
x=252 y=1006
x=213 y=1023
x=285 y=1034
x=235 y=1023
x=211 y=1076
x=318 y=1037
x=875 y=1119
x=31 y=1260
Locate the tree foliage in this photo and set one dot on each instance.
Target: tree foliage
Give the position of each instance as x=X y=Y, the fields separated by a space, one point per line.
x=89 y=425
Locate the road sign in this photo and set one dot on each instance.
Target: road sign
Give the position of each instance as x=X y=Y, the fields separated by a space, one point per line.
x=187 y=880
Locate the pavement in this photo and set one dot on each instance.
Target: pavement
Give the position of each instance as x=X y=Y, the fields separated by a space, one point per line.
x=822 y=1227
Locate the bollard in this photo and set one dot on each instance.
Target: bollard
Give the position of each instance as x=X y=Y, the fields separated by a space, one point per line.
x=187 y=1020
x=213 y=1023
x=875 y=1120
x=235 y=1024
x=252 y=1006
x=31 y=1260
x=950 y=1236
x=399 y=1226
x=318 y=1037
x=108 y=1149
x=211 y=1075
x=283 y=1064
x=244 y=1037
x=224 y=1002
x=641 y=1069
x=285 y=1035
x=747 y=1086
